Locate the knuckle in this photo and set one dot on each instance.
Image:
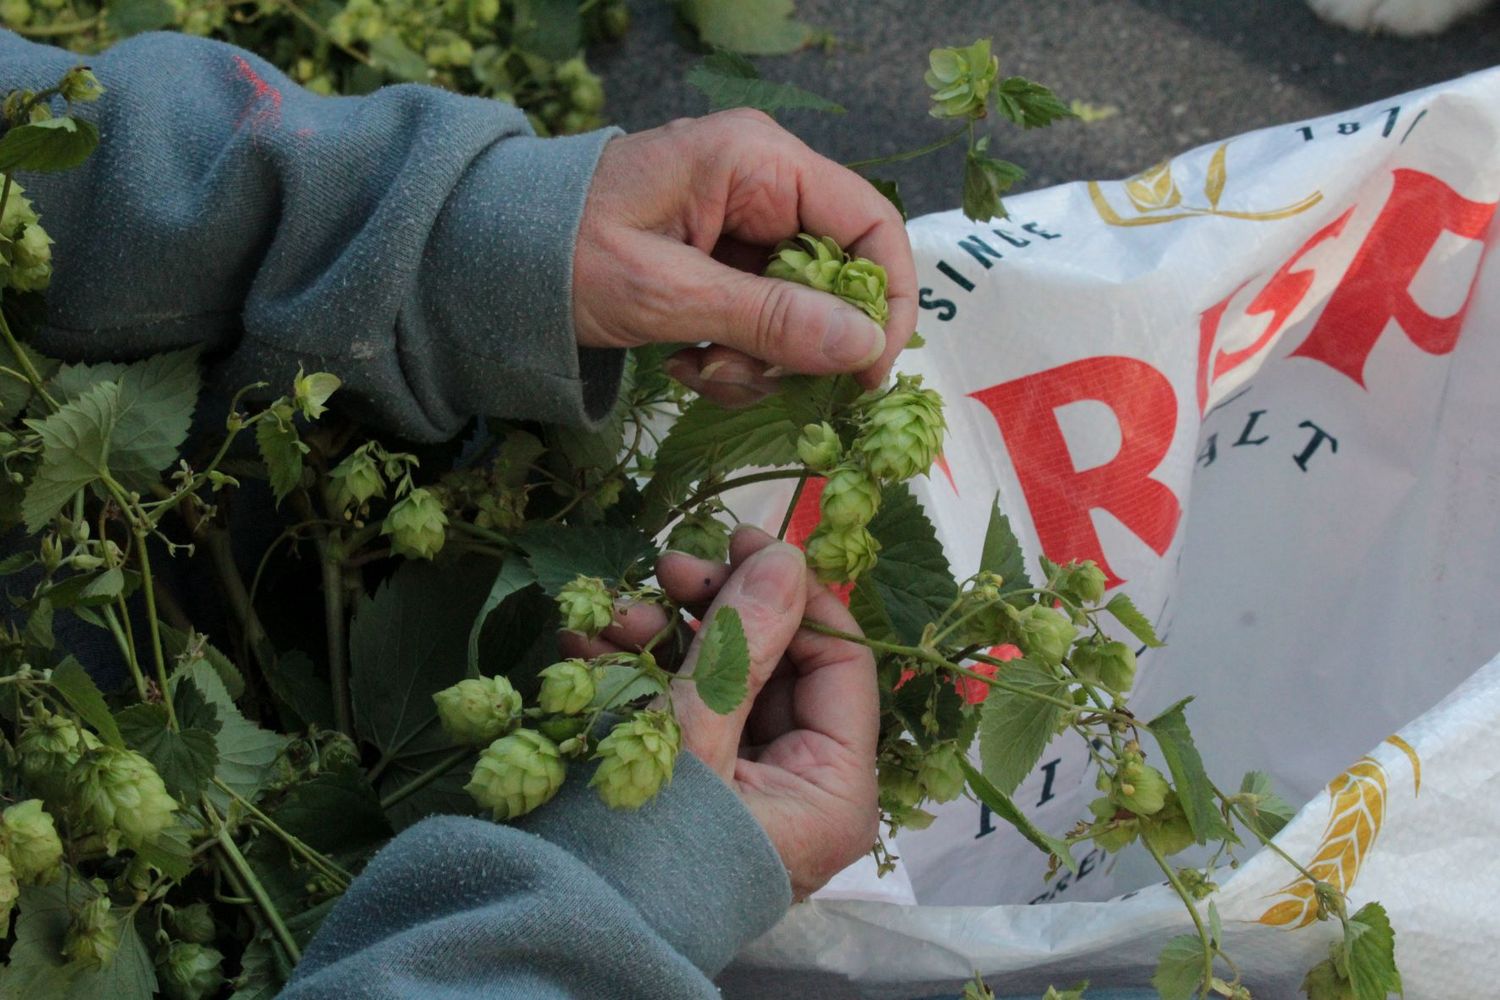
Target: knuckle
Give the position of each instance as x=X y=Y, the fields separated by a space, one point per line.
x=769 y=316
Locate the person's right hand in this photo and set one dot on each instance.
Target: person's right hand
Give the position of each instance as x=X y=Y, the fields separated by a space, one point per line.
x=800 y=749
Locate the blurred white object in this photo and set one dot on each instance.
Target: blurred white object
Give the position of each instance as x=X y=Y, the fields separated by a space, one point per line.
x=1399 y=17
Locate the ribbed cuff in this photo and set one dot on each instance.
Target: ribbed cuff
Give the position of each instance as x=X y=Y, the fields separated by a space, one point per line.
x=693 y=861
x=498 y=286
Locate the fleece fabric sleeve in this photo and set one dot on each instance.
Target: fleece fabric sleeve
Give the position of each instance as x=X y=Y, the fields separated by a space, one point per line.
x=414 y=242
x=578 y=901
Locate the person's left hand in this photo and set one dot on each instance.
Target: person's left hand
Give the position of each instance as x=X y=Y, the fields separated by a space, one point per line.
x=800 y=749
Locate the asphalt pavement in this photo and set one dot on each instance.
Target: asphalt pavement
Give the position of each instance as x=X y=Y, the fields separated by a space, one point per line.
x=1180 y=73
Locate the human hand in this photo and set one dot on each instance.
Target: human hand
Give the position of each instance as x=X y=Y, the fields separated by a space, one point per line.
x=680 y=222
x=800 y=749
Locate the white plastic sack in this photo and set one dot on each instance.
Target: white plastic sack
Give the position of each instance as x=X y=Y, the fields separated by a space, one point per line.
x=1261 y=384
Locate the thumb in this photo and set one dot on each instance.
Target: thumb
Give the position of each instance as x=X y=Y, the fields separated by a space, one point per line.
x=781 y=323
x=769 y=591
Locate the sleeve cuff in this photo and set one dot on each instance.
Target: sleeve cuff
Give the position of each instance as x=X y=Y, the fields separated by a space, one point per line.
x=693 y=861
x=498 y=287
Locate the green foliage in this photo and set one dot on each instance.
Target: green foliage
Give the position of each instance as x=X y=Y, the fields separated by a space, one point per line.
x=48 y=146
x=1002 y=806
x=730 y=80
x=1015 y=727
x=1264 y=810
x=722 y=671
x=1139 y=625
x=1191 y=781
x=911 y=584
x=753 y=27
x=985 y=180
x=78 y=689
x=1179 y=968
x=557 y=554
x=186 y=759
x=75 y=442
x=37 y=968
x=1002 y=553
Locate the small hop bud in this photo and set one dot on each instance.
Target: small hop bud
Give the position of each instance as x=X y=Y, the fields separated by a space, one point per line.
x=902 y=433
x=517 y=773
x=194 y=923
x=701 y=534
x=1084 y=580
x=93 y=935
x=478 y=710
x=31 y=260
x=48 y=748
x=587 y=605
x=567 y=687
x=616 y=21
x=850 y=498
x=861 y=283
x=636 y=759
x=311 y=392
x=31 y=842
x=1120 y=826
x=840 y=555
x=1044 y=633
x=819 y=447
x=417 y=525
x=120 y=794
x=187 y=970
x=1140 y=788
x=80 y=84
x=1111 y=664
x=941 y=774
x=961 y=80
x=10 y=891
x=355 y=480
x=1196 y=882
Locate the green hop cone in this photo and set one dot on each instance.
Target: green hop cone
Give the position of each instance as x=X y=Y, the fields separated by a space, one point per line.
x=850 y=498
x=1044 y=634
x=417 y=525
x=355 y=480
x=31 y=260
x=902 y=432
x=478 y=710
x=1168 y=830
x=1140 y=788
x=48 y=748
x=587 y=605
x=819 y=447
x=80 y=84
x=1083 y=580
x=10 y=891
x=861 y=283
x=1120 y=826
x=840 y=555
x=567 y=687
x=193 y=923
x=516 y=774
x=18 y=212
x=701 y=534
x=31 y=842
x=585 y=92
x=311 y=392
x=941 y=774
x=93 y=935
x=186 y=970
x=636 y=759
x=808 y=260
x=961 y=80
x=1111 y=664
x=120 y=794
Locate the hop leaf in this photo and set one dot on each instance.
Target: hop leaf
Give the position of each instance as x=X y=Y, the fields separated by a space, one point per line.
x=985 y=180
x=194 y=922
x=120 y=794
x=31 y=842
x=417 y=525
x=10 y=891
x=478 y=710
x=636 y=759
x=48 y=749
x=902 y=430
x=567 y=687
x=517 y=773
x=850 y=497
x=961 y=80
x=586 y=605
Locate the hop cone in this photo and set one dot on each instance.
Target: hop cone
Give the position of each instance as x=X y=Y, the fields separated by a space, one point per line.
x=1140 y=788
x=902 y=432
x=194 y=923
x=941 y=774
x=417 y=525
x=189 y=971
x=701 y=534
x=819 y=447
x=355 y=480
x=31 y=842
x=636 y=759
x=10 y=891
x=48 y=748
x=586 y=605
x=850 y=498
x=808 y=260
x=961 y=80
x=93 y=936
x=839 y=555
x=31 y=260
x=80 y=84
x=1044 y=633
x=567 y=687
x=861 y=283
x=1084 y=580
x=516 y=774
x=120 y=794
x=1111 y=664
x=1121 y=825
x=478 y=710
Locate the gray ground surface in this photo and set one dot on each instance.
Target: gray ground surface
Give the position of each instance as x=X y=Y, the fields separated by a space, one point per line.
x=1182 y=72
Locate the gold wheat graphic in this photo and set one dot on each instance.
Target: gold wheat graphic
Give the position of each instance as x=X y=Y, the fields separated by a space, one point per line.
x=1154 y=195
x=1357 y=810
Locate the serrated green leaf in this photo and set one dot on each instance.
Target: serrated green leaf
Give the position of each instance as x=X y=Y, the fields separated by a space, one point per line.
x=169 y=852
x=754 y=27
x=1029 y=105
x=985 y=180
x=335 y=812
x=185 y=759
x=246 y=751
x=157 y=398
x=282 y=450
x=48 y=146
x=1215 y=924
x=515 y=575
x=75 y=452
x=77 y=688
x=37 y=967
x=1014 y=728
x=87 y=590
x=175 y=643
x=1194 y=790
x=557 y=553
x=911 y=582
x=39 y=624
x=1179 y=968
x=131 y=17
x=260 y=977
x=302 y=688
x=1370 y=945
x=722 y=670
x=1267 y=812
x=892 y=193
x=16 y=394
x=619 y=685
x=1002 y=806
x=1002 y=553
x=1139 y=625
x=731 y=81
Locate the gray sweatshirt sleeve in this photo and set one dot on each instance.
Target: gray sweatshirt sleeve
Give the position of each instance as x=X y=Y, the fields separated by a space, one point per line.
x=416 y=243
x=578 y=901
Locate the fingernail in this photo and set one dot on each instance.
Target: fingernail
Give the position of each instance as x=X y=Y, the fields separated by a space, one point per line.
x=706 y=373
x=774 y=577
x=853 y=340
x=775 y=371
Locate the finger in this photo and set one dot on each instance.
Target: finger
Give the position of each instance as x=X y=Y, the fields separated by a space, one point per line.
x=836 y=694
x=772 y=715
x=635 y=624
x=575 y=644
x=769 y=591
x=727 y=376
x=689 y=580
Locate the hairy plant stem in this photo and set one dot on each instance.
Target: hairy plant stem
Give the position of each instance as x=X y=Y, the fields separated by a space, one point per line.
x=730 y=484
x=22 y=358
x=317 y=859
x=791 y=507
x=331 y=554
x=221 y=553
x=140 y=527
x=125 y=638
x=240 y=871
x=911 y=154
x=427 y=777
x=1192 y=908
